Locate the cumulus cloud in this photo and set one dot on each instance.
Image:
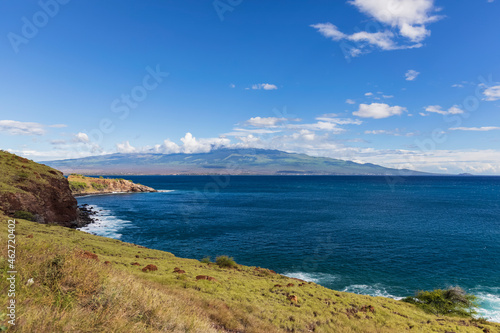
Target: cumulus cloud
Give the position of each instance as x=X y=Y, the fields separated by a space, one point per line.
x=369 y=94
x=411 y=75
x=264 y=86
x=81 y=137
x=13 y=127
x=378 y=110
x=125 y=148
x=438 y=109
x=408 y=17
x=492 y=93
x=477 y=129
x=457 y=85
x=189 y=145
x=350 y=101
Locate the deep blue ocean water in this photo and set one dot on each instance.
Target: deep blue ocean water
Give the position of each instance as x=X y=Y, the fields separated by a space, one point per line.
x=357 y=234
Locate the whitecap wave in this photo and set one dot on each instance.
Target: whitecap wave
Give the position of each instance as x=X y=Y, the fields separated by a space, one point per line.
x=165 y=191
x=489 y=302
x=106 y=224
x=377 y=290
x=319 y=278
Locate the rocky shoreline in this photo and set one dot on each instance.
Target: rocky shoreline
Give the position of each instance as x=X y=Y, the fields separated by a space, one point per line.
x=86 y=216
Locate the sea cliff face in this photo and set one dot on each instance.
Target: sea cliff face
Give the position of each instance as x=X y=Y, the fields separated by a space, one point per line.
x=35 y=191
x=81 y=185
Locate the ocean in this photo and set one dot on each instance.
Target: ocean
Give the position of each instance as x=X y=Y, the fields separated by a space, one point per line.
x=369 y=235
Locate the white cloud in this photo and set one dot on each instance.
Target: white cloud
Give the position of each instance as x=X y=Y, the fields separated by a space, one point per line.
x=409 y=17
x=318 y=126
x=190 y=145
x=232 y=85
x=265 y=86
x=411 y=75
x=369 y=94
x=492 y=93
x=246 y=131
x=330 y=31
x=266 y=121
x=339 y=121
x=478 y=129
x=388 y=96
x=81 y=137
x=125 y=148
x=396 y=132
x=378 y=110
x=457 y=85
x=13 y=127
x=438 y=109
x=381 y=39
x=350 y=101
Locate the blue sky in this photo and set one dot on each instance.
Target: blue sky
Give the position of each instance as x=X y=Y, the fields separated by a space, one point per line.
x=408 y=83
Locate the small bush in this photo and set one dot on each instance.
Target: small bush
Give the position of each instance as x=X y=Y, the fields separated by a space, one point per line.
x=225 y=262
x=206 y=260
x=22 y=176
x=451 y=301
x=99 y=187
x=77 y=186
x=22 y=214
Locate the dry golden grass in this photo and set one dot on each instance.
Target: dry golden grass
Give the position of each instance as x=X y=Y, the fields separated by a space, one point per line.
x=72 y=292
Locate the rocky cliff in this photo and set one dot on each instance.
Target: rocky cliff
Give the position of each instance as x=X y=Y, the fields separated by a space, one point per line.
x=81 y=185
x=35 y=191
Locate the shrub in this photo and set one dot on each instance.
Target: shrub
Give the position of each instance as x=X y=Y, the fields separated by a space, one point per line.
x=451 y=301
x=99 y=187
x=206 y=260
x=22 y=176
x=77 y=186
x=225 y=262
x=22 y=214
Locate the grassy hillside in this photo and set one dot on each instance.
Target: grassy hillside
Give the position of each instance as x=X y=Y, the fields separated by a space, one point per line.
x=34 y=191
x=105 y=289
x=16 y=171
x=80 y=184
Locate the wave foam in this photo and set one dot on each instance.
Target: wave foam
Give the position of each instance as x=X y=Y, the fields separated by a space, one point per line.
x=107 y=224
x=319 y=278
x=165 y=191
x=375 y=290
x=489 y=302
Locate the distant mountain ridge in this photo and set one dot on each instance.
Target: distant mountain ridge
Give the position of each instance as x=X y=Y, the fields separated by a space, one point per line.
x=222 y=161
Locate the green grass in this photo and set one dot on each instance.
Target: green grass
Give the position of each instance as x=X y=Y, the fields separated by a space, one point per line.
x=72 y=292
